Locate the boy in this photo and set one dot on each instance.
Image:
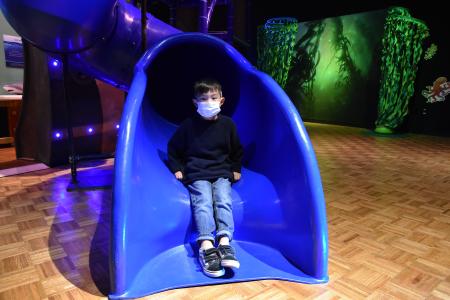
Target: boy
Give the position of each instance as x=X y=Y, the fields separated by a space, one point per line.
x=205 y=154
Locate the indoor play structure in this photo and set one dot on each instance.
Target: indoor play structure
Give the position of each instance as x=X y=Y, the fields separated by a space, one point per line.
x=279 y=208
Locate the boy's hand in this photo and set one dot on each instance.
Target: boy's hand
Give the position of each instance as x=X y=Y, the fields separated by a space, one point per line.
x=236 y=176
x=179 y=175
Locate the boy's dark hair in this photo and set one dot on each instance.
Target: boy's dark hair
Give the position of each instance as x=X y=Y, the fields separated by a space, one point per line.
x=205 y=85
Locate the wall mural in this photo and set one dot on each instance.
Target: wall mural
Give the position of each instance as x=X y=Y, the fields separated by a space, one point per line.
x=360 y=70
x=438 y=91
x=276 y=40
x=334 y=61
x=400 y=55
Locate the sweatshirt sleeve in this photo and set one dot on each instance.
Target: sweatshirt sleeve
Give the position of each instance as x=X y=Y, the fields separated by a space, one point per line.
x=237 y=151
x=175 y=150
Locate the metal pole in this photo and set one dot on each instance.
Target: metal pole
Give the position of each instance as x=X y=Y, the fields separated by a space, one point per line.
x=203 y=15
x=210 y=12
x=230 y=16
x=173 y=15
x=143 y=25
x=70 y=141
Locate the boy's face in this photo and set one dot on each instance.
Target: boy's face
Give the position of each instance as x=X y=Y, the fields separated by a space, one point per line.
x=210 y=96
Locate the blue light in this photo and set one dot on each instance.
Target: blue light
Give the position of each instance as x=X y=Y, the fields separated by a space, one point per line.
x=117 y=126
x=55 y=63
x=90 y=130
x=58 y=135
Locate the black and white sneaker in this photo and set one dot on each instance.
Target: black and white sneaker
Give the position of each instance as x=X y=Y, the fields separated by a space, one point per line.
x=210 y=262
x=228 y=257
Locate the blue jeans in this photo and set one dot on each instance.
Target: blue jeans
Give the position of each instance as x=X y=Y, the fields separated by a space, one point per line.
x=212 y=208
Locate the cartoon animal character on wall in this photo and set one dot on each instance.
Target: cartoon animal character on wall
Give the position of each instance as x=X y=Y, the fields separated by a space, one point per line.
x=437 y=92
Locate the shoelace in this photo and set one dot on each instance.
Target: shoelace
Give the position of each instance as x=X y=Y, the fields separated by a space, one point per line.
x=225 y=249
x=212 y=255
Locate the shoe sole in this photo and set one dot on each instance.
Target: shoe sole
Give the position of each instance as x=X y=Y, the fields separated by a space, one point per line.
x=230 y=264
x=214 y=274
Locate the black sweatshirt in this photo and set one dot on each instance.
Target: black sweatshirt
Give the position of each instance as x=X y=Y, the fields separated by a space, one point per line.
x=205 y=149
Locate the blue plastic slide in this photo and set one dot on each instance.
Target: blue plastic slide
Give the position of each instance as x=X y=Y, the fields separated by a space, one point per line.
x=278 y=205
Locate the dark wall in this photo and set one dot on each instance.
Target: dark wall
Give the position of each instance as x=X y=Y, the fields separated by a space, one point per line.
x=187 y=20
x=431 y=118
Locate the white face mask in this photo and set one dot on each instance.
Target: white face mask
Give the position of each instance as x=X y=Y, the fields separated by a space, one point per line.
x=208 y=109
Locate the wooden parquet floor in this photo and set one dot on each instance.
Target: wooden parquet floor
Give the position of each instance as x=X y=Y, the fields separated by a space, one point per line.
x=388 y=212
